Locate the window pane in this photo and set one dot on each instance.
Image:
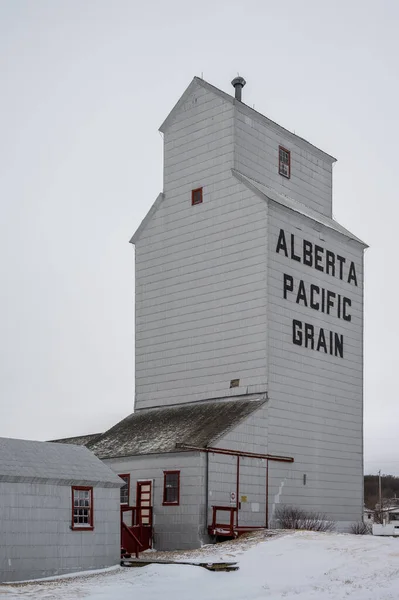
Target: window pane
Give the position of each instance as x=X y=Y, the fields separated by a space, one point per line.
x=125 y=491
x=171 y=493
x=82 y=500
x=197 y=196
x=171 y=480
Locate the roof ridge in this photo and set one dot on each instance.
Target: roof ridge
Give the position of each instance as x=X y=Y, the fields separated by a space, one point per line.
x=251 y=111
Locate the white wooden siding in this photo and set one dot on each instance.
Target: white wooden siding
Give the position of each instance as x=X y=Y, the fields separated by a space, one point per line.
x=256 y=155
x=199 y=142
x=200 y=270
x=210 y=306
x=248 y=436
x=222 y=481
x=175 y=527
x=315 y=406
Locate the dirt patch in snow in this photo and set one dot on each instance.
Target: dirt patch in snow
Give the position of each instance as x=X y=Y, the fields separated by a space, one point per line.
x=240 y=544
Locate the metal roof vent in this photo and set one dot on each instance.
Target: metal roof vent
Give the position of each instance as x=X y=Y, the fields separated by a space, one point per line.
x=238 y=83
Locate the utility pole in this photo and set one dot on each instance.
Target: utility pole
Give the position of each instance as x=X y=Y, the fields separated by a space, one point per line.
x=380 y=495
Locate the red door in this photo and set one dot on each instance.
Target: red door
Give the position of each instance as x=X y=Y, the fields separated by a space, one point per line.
x=144 y=497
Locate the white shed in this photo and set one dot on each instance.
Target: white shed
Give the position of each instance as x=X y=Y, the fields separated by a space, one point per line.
x=59 y=510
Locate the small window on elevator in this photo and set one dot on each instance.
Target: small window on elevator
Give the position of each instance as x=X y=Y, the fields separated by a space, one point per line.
x=196 y=196
x=284 y=162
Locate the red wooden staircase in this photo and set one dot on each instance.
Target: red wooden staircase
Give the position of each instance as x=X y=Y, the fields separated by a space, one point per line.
x=136 y=529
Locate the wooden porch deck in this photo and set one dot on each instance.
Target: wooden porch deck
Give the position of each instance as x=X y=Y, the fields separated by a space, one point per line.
x=230 y=529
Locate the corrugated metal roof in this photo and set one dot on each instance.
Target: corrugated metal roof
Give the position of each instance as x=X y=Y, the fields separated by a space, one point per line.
x=158 y=430
x=46 y=462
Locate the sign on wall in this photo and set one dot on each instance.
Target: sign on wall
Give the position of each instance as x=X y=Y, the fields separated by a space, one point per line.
x=315 y=297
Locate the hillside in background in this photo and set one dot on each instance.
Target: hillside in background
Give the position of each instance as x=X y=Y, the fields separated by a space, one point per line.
x=389 y=485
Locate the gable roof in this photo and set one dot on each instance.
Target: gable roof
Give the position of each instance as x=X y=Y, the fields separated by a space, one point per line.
x=268 y=193
x=46 y=462
x=251 y=112
x=160 y=430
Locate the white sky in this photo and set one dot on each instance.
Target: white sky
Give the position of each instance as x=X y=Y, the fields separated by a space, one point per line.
x=85 y=85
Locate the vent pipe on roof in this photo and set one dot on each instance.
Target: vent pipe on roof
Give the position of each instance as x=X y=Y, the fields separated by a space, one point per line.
x=238 y=83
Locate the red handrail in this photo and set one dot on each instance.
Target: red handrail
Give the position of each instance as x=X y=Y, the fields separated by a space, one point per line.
x=137 y=517
x=137 y=543
x=216 y=525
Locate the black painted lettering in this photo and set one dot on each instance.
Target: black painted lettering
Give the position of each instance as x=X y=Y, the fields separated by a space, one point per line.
x=318 y=257
x=293 y=255
x=346 y=302
x=321 y=342
x=301 y=295
x=288 y=285
x=331 y=343
x=352 y=274
x=339 y=298
x=309 y=336
x=341 y=261
x=307 y=253
x=339 y=345
x=297 y=332
x=330 y=303
x=330 y=263
x=323 y=300
x=281 y=243
x=314 y=289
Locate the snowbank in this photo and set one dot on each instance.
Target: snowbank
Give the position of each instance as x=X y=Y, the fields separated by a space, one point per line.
x=300 y=566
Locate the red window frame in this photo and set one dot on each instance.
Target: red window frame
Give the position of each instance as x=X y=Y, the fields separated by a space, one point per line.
x=165 y=501
x=281 y=162
x=126 y=476
x=79 y=526
x=195 y=201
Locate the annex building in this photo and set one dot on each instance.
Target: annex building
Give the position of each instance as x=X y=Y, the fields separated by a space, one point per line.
x=249 y=334
x=59 y=510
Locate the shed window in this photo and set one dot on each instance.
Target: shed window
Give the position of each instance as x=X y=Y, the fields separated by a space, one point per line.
x=82 y=508
x=196 y=196
x=171 y=488
x=125 y=489
x=284 y=162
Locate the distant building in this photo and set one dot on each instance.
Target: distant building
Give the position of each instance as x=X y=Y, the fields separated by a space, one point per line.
x=59 y=510
x=249 y=333
x=368 y=516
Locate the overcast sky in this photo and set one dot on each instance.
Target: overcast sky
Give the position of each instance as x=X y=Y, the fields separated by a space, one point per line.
x=85 y=85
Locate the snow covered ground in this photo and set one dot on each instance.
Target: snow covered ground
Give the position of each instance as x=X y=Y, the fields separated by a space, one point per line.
x=300 y=566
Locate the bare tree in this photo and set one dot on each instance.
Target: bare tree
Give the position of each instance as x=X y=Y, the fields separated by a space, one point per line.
x=361 y=528
x=291 y=517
